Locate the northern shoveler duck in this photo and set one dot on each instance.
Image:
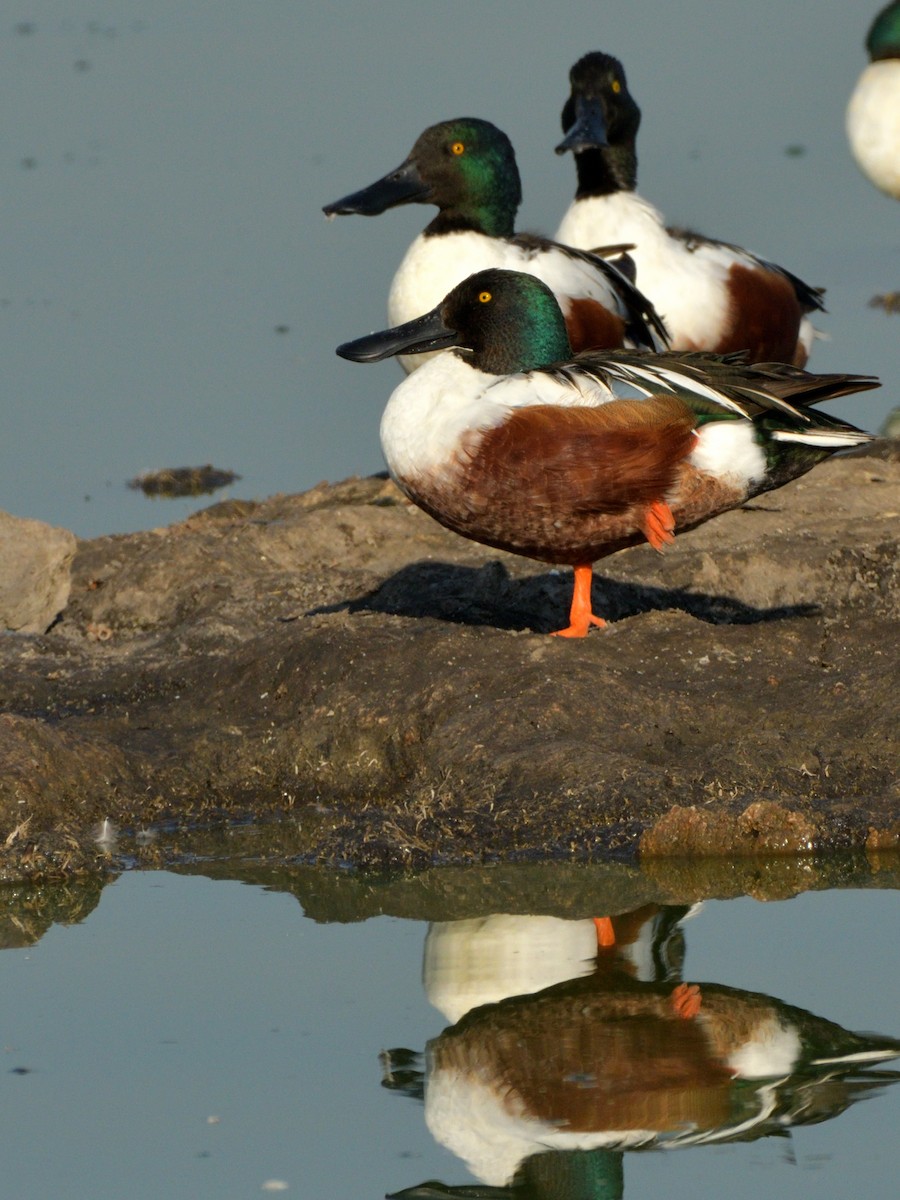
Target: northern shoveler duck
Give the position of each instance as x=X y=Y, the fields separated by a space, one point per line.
x=509 y=441
x=467 y=168
x=540 y=1091
x=604 y=1063
x=712 y=296
x=873 y=114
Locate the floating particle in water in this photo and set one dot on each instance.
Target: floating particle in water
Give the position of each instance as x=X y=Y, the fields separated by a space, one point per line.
x=173 y=482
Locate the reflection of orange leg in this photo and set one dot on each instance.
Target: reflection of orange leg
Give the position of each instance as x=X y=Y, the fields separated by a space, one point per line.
x=606 y=935
x=658 y=524
x=686 y=1000
x=580 y=616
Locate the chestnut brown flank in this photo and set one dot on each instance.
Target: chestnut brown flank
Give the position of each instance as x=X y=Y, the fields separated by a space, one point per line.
x=587 y=460
x=563 y=485
x=764 y=318
x=590 y=326
x=652 y=1070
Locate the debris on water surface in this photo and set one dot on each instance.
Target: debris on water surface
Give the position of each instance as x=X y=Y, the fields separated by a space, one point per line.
x=889 y=302
x=182 y=481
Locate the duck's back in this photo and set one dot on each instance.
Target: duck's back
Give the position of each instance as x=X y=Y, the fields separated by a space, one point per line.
x=711 y=295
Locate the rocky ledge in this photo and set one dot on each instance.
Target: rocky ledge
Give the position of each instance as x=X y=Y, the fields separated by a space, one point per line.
x=337 y=661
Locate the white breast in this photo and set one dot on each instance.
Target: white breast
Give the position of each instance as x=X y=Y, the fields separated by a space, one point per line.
x=432 y=266
x=873 y=124
x=429 y=414
x=597 y=221
x=687 y=286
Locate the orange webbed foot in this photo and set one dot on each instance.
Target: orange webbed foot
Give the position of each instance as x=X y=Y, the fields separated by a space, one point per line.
x=581 y=618
x=580 y=629
x=686 y=1000
x=658 y=525
x=606 y=935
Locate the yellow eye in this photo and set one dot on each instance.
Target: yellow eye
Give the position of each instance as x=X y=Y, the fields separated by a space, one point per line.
x=616 y=86
x=457 y=148
x=484 y=297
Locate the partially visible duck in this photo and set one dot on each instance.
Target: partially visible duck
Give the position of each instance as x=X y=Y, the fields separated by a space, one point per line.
x=509 y=440
x=873 y=114
x=541 y=1092
x=606 y=1064
x=712 y=295
x=467 y=168
x=484 y=959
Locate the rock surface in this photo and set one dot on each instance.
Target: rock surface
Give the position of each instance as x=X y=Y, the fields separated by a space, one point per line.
x=35 y=573
x=337 y=661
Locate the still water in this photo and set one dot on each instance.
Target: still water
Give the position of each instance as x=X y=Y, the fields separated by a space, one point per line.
x=195 y=1037
x=171 y=294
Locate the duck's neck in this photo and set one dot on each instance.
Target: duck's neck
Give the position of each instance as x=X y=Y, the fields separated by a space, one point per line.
x=484 y=221
x=528 y=345
x=486 y=202
x=490 y=220
x=604 y=172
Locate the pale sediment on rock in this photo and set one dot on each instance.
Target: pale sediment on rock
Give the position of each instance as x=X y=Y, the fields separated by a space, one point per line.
x=35 y=573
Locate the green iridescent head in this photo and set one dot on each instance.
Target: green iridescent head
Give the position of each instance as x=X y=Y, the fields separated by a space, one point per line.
x=470 y=169
x=501 y=321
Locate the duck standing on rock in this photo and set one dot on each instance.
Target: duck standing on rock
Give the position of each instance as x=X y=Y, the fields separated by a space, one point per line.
x=873 y=114
x=711 y=295
x=467 y=168
x=509 y=440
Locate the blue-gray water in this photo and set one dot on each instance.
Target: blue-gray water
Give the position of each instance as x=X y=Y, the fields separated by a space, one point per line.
x=171 y=294
x=192 y=1038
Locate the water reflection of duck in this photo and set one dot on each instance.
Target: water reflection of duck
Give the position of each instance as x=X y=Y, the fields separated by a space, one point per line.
x=486 y=959
x=629 y=1064
x=574 y=1175
x=541 y=1094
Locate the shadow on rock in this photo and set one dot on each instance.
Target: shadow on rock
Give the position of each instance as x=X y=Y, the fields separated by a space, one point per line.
x=489 y=595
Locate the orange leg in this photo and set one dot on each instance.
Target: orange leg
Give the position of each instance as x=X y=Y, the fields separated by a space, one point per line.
x=686 y=1000
x=658 y=525
x=606 y=935
x=580 y=616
